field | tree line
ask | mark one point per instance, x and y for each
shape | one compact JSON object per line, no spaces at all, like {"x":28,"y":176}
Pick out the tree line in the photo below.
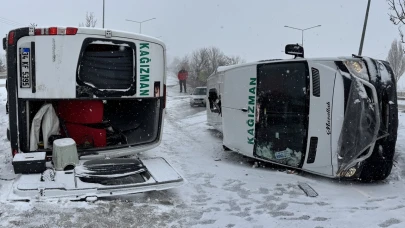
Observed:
{"x":396,"y":56}
{"x":201,"y":63}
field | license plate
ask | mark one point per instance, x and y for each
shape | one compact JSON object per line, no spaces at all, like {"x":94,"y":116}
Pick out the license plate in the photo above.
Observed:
{"x":25,"y":66}
{"x":282,"y":155}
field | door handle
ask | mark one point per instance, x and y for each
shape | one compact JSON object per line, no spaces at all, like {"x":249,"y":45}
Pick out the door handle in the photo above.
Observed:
{"x":244,"y":109}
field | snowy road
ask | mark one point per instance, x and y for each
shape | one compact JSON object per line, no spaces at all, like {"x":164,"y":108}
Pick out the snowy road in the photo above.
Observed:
{"x":223,"y":189}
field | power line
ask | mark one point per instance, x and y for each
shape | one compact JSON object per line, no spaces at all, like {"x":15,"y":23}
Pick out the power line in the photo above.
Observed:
{"x":7,"y":23}
{"x":10,"y":22}
{"x":5,"y":19}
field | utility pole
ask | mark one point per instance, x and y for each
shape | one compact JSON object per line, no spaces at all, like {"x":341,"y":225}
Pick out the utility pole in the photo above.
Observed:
{"x":103,"y":11}
{"x":302,"y":31}
{"x":140,"y":23}
{"x":364,"y":28}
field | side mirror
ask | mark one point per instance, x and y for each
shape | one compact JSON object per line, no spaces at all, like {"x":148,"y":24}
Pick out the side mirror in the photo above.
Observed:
{"x":294,"y":49}
{"x":4,"y":43}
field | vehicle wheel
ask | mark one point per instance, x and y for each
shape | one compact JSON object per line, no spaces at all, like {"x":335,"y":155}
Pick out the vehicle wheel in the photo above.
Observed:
{"x":8,"y":134}
{"x":376,"y":171}
{"x":226,"y":148}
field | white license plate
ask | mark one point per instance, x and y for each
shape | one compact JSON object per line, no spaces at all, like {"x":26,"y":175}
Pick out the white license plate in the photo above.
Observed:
{"x":25,"y":62}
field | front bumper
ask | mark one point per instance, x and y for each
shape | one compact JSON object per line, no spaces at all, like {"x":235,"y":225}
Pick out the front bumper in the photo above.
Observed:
{"x":197,"y":101}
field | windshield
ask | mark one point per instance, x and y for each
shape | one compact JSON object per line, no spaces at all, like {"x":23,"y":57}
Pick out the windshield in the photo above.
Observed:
{"x":282,"y":103}
{"x":200,"y":91}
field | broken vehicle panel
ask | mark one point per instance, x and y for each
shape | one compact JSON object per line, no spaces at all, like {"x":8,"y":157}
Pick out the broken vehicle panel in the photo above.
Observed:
{"x":108,"y":178}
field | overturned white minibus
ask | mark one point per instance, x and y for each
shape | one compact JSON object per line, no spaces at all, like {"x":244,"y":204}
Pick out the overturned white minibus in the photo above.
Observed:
{"x":80,"y":101}
{"x":335,"y":117}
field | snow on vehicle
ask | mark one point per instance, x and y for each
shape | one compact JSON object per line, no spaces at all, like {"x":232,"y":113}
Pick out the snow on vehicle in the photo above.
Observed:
{"x":335,"y":117}
{"x":198,"y":96}
{"x":104,"y":89}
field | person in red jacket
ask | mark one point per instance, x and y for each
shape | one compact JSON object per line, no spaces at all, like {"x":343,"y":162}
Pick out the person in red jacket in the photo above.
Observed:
{"x":182,"y":76}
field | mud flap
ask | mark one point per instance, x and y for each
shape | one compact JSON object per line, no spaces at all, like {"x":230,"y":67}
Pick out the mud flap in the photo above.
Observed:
{"x":158,"y":175}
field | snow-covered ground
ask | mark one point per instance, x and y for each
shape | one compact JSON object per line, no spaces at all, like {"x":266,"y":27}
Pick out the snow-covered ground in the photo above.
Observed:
{"x":223,"y":189}
{"x":171,"y":79}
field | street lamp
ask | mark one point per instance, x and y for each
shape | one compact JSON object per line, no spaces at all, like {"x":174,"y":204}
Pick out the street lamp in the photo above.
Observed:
{"x":302,"y":30}
{"x":140,"y":23}
{"x":364,"y":28}
{"x":103,"y":11}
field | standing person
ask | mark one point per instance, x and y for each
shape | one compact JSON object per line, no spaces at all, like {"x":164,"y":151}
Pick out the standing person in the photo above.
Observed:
{"x":182,"y":76}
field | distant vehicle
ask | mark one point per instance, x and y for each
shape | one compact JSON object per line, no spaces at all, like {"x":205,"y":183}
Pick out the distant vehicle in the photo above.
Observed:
{"x":198,"y":96}
{"x":104,"y":89}
{"x":335,"y":117}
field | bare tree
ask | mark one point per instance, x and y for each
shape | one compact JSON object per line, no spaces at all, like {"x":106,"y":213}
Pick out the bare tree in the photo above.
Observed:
{"x":232,"y":60}
{"x":216,"y":58}
{"x":397,"y":15}
{"x":199,"y":66}
{"x":178,"y":63}
{"x":396,"y":59}
{"x":202,"y":63}
{"x":184,"y":63}
{"x":90,"y":21}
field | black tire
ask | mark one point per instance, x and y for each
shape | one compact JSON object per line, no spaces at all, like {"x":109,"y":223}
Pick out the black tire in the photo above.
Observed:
{"x":8,"y":134}
{"x":376,"y":167}
{"x":376,"y":171}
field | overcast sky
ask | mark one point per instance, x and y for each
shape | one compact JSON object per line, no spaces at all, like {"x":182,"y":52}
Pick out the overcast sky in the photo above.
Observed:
{"x":252,"y":29}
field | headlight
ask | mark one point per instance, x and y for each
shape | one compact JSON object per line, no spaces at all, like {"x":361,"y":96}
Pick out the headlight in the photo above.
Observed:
{"x":357,"y":68}
{"x":350,"y":172}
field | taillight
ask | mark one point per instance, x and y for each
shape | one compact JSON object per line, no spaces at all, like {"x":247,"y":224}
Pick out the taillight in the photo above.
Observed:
{"x":71,"y":31}
{"x":14,"y":152}
{"x":11,"y":38}
{"x":164,"y":94}
{"x":55,"y":31}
